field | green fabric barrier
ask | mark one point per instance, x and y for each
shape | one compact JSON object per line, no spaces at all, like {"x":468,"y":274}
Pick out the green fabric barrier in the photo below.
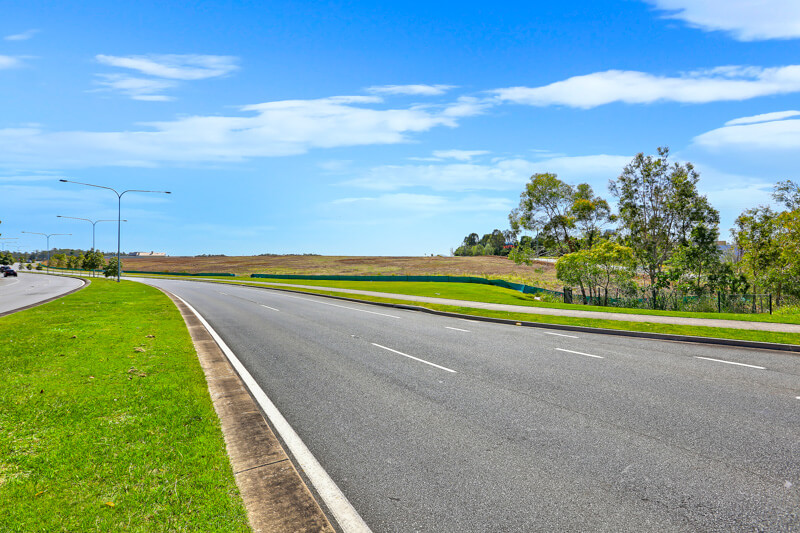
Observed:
{"x":525,"y":289}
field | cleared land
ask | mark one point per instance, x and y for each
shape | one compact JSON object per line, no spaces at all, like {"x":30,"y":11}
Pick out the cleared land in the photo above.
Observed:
{"x":540,"y":274}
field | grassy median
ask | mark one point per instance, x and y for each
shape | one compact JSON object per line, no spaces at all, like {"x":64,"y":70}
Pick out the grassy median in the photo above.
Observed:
{"x":106,"y":423}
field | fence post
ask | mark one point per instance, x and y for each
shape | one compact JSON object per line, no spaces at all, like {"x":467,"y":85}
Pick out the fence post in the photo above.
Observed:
{"x":770,"y":303}
{"x":719,"y":302}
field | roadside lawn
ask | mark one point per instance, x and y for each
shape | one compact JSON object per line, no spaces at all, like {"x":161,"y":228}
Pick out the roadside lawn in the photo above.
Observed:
{"x":106,"y":423}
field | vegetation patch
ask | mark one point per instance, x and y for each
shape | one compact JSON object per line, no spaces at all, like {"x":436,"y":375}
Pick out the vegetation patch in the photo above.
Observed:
{"x":106,"y":421}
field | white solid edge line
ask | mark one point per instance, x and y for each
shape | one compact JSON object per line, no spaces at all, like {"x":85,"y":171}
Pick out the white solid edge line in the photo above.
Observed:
{"x":560,"y":334}
{"x":343,"y":511}
{"x":581,"y":353}
{"x":268,"y":307}
{"x":457,"y":329}
{"x":416,"y":358}
{"x":729,"y":362}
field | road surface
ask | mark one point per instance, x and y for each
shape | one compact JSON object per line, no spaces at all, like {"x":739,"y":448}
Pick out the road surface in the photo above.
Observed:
{"x":432,"y":423}
{"x":28,"y":289}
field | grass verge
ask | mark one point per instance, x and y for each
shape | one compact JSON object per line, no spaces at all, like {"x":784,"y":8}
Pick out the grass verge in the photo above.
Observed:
{"x":106,"y":422}
{"x":651,"y":327}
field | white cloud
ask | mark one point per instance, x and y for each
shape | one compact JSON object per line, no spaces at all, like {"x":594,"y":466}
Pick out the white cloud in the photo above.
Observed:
{"x":24,"y":36}
{"x":269,"y":129}
{"x":730,"y":83}
{"x":747,"y":20}
{"x":136,"y":88}
{"x":775,"y":135}
{"x":500,"y":174}
{"x":174,"y":66}
{"x":414,"y":90}
{"x":460,"y":155}
{"x":765,"y":117}
{"x":9,"y":62}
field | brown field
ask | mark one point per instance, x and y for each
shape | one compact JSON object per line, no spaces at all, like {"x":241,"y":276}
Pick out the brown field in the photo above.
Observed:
{"x":540,"y":274}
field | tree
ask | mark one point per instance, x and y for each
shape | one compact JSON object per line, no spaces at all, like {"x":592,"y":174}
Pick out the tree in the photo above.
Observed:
{"x":697,"y":259}
{"x":615,"y":263}
{"x":788,"y":193}
{"x":471,"y":240}
{"x":6,"y":258}
{"x":589,"y":212}
{"x":659,"y":205}
{"x":577,"y":269}
{"x":756,"y":235}
{"x":544,"y":207}
{"x":58,"y":260}
{"x":75,"y":262}
{"x":111,"y":269}
{"x":93,"y":261}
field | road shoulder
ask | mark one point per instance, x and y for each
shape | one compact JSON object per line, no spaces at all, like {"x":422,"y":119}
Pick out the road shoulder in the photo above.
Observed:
{"x":276,"y":497}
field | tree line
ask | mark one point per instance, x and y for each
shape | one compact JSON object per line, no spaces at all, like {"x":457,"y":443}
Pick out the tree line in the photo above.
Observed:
{"x":664,"y":236}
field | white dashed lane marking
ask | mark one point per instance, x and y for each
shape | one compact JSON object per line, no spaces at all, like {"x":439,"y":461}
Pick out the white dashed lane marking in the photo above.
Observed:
{"x":416,"y":358}
{"x":580,"y":353}
{"x":730,"y":362}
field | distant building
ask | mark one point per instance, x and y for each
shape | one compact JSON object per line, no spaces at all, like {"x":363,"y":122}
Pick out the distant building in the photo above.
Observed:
{"x":149,"y":254}
{"x":723,"y":246}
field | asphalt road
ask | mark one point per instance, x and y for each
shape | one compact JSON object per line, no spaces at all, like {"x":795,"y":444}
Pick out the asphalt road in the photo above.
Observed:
{"x":28,"y":289}
{"x":431,"y":423}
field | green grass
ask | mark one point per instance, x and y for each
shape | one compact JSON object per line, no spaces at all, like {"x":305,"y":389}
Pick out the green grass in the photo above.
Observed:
{"x":673,"y":329}
{"x":105,"y":419}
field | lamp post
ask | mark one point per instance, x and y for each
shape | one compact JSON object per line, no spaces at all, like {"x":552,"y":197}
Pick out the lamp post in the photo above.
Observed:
{"x":48,"y":235}
{"x":119,"y":213}
{"x":93,"y":224}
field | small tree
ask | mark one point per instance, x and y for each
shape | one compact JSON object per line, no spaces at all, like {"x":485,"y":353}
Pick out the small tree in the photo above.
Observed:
{"x":111,"y":269}
{"x":615,"y":263}
{"x":93,"y":261}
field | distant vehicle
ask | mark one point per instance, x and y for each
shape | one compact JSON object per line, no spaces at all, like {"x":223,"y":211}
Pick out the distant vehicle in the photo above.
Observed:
{"x":3,"y":268}
{"x":9,"y":272}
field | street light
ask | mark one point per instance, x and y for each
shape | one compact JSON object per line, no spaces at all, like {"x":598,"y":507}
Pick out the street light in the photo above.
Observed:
{"x":93,"y":224}
{"x":119,"y":213}
{"x":48,"y":235}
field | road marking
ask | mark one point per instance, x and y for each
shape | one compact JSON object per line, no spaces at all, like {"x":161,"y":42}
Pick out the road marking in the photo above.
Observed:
{"x":560,"y":335}
{"x":729,"y":362}
{"x":416,"y":358}
{"x":343,"y":511}
{"x":268,"y":307}
{"x":457,"y":329}
{"x":581,"y":353}
{"x":342,"y":306}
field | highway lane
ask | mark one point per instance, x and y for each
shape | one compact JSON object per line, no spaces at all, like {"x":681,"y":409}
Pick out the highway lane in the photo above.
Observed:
{"x":520,"y":429}
{"x":28,"y":289}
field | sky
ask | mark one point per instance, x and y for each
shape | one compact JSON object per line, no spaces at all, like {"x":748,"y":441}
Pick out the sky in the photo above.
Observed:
{"x":366,"y":128}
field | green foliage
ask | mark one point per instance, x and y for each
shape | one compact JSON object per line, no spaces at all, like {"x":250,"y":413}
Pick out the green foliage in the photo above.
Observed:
{"x":93,"y":260}
{"x":29,"y":266}
{"x":544,"y":207}
{"x":111,"y":270}
{"x":6,"y":258}
{"x":39,"y":266}
{"x":605,"y":266}
{"x":693,"y":263}
{"x":659,"y":206}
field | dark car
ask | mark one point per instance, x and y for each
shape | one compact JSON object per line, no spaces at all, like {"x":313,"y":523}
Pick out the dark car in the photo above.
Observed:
{"x":3,"y":268}
{"x":9,"y":272}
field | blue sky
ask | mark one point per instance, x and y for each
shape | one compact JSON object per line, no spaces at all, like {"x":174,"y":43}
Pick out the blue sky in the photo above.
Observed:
{"x":349,"y":128}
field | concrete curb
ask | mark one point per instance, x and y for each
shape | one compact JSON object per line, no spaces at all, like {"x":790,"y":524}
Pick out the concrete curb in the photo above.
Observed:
{"x":275,"y":495}
{"x":790,"y":348}
{"x":31,"y":306}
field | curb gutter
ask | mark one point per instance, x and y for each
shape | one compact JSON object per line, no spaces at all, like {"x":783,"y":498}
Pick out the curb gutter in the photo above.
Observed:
{"x":275,"y":495}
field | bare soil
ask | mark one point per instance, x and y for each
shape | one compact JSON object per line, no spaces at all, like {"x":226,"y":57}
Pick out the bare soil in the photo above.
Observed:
{"x":540,"y":274}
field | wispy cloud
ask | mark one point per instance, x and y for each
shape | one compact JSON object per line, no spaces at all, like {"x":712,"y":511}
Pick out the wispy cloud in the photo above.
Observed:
{"x":9,"y":62}
{"x":746,"y":20}
{"x":268,"y":129}
{"x":765,"y":117}
{"x":499,"y":174}
{"x":136,"y":88}
{"x":24,"y":36}
{"x":748,"y":136}
{"x":174,"y":66}
{"x":165,"y":71}
{"x":729,"y":83}
{"x":415,"y":90}
{"x":460,"y":155}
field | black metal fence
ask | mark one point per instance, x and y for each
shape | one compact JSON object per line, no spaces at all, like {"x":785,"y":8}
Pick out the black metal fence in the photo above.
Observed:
{"x":718,"y":302}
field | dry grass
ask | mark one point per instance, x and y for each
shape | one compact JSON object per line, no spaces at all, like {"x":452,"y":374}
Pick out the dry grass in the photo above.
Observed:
{"x":541,"y":274}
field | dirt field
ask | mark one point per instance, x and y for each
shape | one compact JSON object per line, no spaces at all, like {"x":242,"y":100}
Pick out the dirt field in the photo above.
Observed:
{"x":541,"y":274}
